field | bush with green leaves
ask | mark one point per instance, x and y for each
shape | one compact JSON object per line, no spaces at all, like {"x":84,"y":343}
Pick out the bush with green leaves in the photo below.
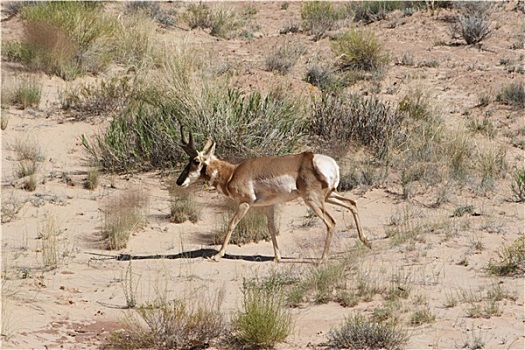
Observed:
{"x":109,"y":97}
{"x":359,"y":332}
{"x":472,"y":23}
{"x":146,"y":136}
{"x":59,"y":38}
{"x":511,"y":259}
{"x":512,"y":94}
{"x":284,"y":57}
{"x":359,"y":49}
{"x":222,"y":22}
{"x":366,"y":120}
{"x":264,"y":319}
{"x":371,"y":11}
{"x":153,"y":9}
{"x":173,"y":324}
{"x":71,"y":38}
{"x":25,"y":93}
{"x":318,"y":17}
{"x":518,"y":186}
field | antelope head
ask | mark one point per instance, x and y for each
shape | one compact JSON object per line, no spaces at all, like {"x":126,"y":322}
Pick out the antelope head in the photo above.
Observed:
{"x":198,"y":160}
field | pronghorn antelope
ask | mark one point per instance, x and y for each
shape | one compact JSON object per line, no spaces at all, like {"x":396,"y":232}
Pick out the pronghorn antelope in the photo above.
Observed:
{"x":268,"y":181}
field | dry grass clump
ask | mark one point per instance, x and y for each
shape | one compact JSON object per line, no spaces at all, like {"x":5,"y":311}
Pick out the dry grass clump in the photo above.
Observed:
{"x":518,"y":186}
{"x":146,"y":133}
{"x":49,"y":235}
{"x":23,"y":93}
{"x":109,"y":97}
{"x":123,"y":214}
{"x":222,"y":22}
{"x":366,"y":120}
{"x":91,"y":181}
{"x":263,"y":320}
{"x":170,"y":324}
{"x":10,"y":207}
{"x":360,"y":50}
{"x":253,"y":227}
{"x":359,"y":332}
{"x":283,"y":58}
{"x":183,"y":205}
{"x":512,"y":94}
{"x":511,"y":259}
{"x":318,"y":17}
{"x":472,"y":23}
{"x":318,"y":285}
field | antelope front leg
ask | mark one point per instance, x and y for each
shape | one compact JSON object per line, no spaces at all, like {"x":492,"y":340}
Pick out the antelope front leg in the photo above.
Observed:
{"x":241,"y":211}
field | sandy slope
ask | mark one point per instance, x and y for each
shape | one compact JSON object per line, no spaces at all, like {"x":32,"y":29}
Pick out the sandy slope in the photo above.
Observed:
{"x":76,"y":305}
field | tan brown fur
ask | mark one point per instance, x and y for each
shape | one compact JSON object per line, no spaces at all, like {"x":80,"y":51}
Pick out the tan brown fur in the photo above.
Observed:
{"x":268,"y":181}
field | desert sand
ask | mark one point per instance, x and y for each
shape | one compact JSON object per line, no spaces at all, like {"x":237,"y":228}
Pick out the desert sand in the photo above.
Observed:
{"x":77,"y":305}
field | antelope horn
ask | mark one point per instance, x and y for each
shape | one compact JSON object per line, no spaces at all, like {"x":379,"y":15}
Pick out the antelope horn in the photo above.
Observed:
{"x":188,"y":146}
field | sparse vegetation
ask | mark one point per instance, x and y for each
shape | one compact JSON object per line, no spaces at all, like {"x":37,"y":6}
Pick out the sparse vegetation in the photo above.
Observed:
{"x":358,"y":332}
{"x":472,"y":23}
{"x":252,"y":228}
{"x":222,"y":22}
{"x":284,"y":57}
{"x":263,"y":320}
{"x":123,"y":214}
{"x":359,"y":49}
{"x":513,"y":94}
{"x":170,"y":324}
{"x":511,"y":259}
{"x":368,"y":121}
{"x":518,"y":186}
{"x":183,"y":205}
{"x":91,"y":181}
{"x":318,"y":17}
{"x":372,"y":11}
{"x":25,"y":93}
{"x":109,"y":97}
{"x":11,"y":206}
{"x":49,"y":235}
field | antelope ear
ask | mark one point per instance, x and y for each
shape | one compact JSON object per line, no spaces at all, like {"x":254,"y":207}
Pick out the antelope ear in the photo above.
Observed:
{"x":209,"y":148}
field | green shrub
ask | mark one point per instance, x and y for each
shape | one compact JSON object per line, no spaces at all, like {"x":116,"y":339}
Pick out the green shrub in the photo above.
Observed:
{"x":173,"y":324}
{"x":222,"y":22}
{"x":359,"y":49}
{"x":318,"y":17}
{"x":284,"y":57}
{"x":91,"y":181}
{"x":60,"y":37}
{"x":518,"y":186}
{"x":263,"y":320}
{"x":357,"y":332}
{"x":513,"y":94}
{"x":25,"y":93}
{"x":110,"y":97}
{"x":372,"y":11}
{"x":511,"y":259}
{"x":153,"y":9}
{"x":366,"y":120}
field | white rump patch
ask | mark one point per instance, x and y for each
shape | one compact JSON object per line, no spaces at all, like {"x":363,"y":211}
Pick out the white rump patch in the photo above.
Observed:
{"x":328,"y":167}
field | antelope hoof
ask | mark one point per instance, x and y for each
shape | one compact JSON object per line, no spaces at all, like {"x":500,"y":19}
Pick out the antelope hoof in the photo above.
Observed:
{"x":217,"y":257}
{"x":367,"y":244}
{"x":277,"y":259}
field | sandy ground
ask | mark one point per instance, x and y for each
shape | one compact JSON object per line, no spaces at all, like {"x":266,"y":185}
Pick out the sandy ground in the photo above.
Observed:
{"x":76,"y":305}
